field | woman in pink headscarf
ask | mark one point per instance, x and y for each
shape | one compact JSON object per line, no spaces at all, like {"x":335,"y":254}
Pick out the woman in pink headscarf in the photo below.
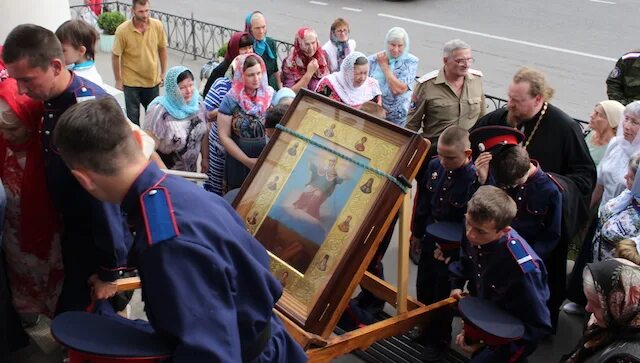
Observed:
{"x":307,"y":62}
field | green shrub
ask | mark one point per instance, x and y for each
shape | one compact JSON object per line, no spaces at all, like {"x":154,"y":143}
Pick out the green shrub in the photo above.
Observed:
{"x":109,"y":21}
{"x":222,"y":51}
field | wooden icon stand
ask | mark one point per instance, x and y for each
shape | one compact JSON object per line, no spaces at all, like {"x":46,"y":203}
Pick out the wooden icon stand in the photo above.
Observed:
{"x":409,"y":311}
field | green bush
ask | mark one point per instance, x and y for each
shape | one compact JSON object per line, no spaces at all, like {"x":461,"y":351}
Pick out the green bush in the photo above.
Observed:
{"x":109,"y":21}
{"x":222,"y":51}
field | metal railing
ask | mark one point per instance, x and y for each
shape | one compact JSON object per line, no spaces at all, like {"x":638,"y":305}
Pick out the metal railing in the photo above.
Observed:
{"x":203,"y":40}
{"x":187,"y":35}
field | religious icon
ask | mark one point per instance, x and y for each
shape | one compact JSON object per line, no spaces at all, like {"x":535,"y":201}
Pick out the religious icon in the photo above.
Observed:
{"x":273,"y":184}
{"x":283,"y":278}
{"x":322,"y":266}
{"x":330,"y":132}
{"x":360,"y":144}
{"x":293,"y":150}
{"x":366,"y":187}
{"x":253,"y":219}
{"x":344,"y":226}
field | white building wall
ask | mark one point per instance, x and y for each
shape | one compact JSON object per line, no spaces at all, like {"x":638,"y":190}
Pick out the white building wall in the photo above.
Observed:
{"x":47,"y":13}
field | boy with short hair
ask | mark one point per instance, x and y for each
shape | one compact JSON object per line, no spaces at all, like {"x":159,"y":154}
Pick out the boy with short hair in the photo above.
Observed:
{"x":449,"y":182}
{"x":536,"y":195}
{"x":273,"y":117}
{"x":499,"y":265}
{"x":206,"y":281}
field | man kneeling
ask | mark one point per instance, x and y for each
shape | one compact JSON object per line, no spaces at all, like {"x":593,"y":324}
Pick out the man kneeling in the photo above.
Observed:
{"x":206,"y":281}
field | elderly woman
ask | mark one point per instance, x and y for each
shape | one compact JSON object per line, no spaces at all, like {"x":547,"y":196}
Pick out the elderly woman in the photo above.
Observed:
{"x":31,"y":232}
{"x":352,"y":85}
{"x":306,"y":64}
{"x":602,"y":127}
{"x":613,"y":166}
{"x":241,"y":118}
{"x":177,"y":121}
{"x":395,"y":70}
{"x":620,"y":217}
{"x":612,"y":288}
{"x":339,"y":44}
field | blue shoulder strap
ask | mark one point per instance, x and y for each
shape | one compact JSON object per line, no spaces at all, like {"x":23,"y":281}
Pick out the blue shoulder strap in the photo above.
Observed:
{"x":522,"y":257}
{"x":84,"y":93}
{"x":157,"y":212}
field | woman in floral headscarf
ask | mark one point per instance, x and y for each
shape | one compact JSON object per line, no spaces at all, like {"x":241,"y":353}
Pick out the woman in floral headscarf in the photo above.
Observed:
{"x":307,"y":62}
{"x":612,"y":288}
{"x":339,"y":45}
{"x":241,"y":118}
{"x":30,"y":239}
{"x":352,"y":85}
{"x":177,"y":121}
{"x":395,"y":70}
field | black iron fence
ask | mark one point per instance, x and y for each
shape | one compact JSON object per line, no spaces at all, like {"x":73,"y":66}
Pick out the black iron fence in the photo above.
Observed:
{"x":203,"y":40}
{"x":187,"y":35}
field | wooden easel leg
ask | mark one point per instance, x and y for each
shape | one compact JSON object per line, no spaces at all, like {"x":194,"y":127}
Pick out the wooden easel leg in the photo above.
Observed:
{"x":403,"y":254}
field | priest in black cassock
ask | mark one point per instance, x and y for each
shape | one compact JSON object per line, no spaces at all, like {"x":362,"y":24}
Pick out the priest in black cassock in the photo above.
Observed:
{"x":555,"y":140}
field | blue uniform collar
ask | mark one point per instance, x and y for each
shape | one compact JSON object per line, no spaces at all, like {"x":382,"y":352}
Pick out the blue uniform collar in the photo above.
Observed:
{"x":67,"y":97}
{"x":149,"y":177}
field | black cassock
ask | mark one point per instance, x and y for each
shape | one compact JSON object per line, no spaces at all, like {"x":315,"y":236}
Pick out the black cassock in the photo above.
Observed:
{"x":558,"y":145}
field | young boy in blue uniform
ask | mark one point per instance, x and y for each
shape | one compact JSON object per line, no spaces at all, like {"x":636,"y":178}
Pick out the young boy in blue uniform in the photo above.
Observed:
{"x":449,"y":182}
{"x":206,"y":282}
{"x":536,"y":194}
{"x":500,"y":266}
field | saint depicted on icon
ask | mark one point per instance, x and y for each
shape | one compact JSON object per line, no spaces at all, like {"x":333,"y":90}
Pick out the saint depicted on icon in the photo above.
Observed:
{"x":331,"y":131}
{"x":322,"y":266}
{"x":320,"y":187}
{"x":344,"y":226}
{"x":293,"y":150}
{"x":360,"y":144}
{"x":273,"y":184}
{"x":366,"y":187}
{"x":253,"y":219}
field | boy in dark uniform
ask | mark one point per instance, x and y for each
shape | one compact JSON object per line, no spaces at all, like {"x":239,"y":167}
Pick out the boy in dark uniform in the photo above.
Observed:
{"x":499,"y":265}
{"x":206,"y":282}
{"x":449,"y":182}
{"x":537,"y":196}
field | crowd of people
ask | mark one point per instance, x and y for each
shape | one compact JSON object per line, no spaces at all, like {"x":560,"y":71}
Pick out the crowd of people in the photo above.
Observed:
{"x":499,"y":198}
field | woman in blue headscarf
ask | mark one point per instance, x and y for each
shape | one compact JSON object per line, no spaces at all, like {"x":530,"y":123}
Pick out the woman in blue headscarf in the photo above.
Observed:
{"x":395,"y":70}
{"x":177,"y":121}
{"x":264,"y":46}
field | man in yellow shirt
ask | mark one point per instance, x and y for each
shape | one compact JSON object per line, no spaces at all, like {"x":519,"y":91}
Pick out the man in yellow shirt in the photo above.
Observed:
{"x":140,"y":44}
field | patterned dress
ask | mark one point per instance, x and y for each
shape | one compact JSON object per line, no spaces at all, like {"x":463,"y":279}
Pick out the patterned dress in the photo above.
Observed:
{"x":614,"y":227}
{"x":35,"y":283}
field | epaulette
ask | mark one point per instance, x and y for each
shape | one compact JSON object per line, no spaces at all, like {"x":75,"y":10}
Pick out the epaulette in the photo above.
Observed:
{"x":556,"y":182}
{"x":428,"y":76}
{"x":522,"y":257}
{"x":84,"y":93}
{"x":631,"y":55}
{"x":476,"y":72}
{"x":157,"y":213}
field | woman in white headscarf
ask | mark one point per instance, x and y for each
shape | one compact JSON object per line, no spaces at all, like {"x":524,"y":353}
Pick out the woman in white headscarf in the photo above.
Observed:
{"x":613,"y":166}
{"x":603,"y":124}
{"x":395,"y":70}
{"x":352,"y":85}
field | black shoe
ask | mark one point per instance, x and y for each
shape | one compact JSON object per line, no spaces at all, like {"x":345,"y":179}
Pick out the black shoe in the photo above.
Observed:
{"x":434,"y":353}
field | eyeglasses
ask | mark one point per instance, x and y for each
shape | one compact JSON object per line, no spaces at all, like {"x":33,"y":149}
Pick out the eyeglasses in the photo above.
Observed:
{"x":342,"y":30}
{"x":462,"y":61}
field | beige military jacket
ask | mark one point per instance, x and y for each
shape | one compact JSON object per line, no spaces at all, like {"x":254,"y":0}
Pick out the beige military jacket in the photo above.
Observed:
{"x":435,"y":105}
